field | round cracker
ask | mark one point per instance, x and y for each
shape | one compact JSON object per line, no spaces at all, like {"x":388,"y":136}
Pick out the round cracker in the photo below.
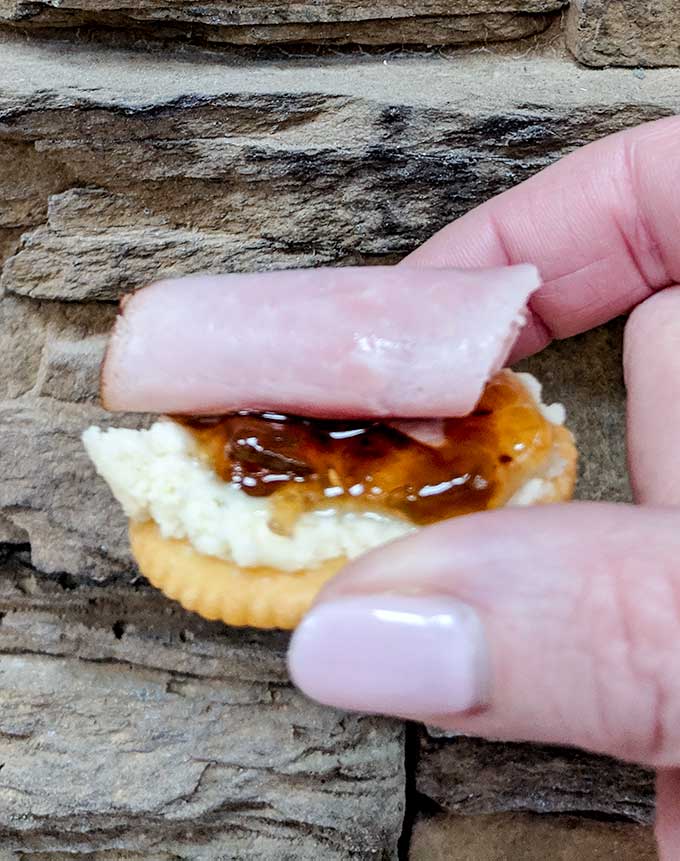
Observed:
{"x":217,"y":589}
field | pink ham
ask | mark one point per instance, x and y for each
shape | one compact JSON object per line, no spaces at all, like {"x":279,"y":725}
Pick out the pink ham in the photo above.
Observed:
{"x":428,"y":432}
{"x":363,"y":342}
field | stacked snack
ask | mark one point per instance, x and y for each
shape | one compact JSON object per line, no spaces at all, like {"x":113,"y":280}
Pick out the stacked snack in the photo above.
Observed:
{"x":390,"y":412}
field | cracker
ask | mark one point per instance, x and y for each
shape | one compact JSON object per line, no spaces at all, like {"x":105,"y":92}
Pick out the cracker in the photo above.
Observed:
{"x":216,"y":589}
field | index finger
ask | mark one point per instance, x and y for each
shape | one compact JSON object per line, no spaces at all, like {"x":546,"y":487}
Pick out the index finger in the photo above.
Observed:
{"x":601,"y":225}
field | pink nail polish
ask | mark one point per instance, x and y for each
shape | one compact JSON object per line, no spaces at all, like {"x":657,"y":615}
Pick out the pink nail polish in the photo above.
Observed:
{"x":392,"y":654}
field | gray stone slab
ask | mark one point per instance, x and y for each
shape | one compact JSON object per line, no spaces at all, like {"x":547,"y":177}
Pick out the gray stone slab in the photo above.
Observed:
{"x":129,"y":726}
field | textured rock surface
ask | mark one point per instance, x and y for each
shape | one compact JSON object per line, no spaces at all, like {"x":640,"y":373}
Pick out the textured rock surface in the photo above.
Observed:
{"x":529,"y":838}
{"x":127,"y":728}
{"x":172,"y":738}
{"x":149,"y":170}
{"x":466,"y":775}
{"x":625,"y":32}
{"x":433,"y":22}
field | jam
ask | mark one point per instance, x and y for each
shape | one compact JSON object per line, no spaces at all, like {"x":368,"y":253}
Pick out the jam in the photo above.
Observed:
{"x":476,"y":462}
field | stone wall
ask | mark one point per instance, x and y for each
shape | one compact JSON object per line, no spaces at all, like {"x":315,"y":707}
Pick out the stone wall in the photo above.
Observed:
{"x":159,"y":137}
{"x":625,"y":32}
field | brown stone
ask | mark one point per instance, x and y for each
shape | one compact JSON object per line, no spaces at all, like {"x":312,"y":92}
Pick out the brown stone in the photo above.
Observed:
{"x":625,"y":32}
{"x":363,"y":160}
{"x":27,"y":178}
{"x":529,"y":838}
{"x":22,"y":337}
{"x":9,"y":242}
{"x":387,"y":22}
{"x":471,"y":776}
{"x":10,"y":533}
{"x":70,"y":370}
{"x":25,"y":329}
{"x":51,"y":491}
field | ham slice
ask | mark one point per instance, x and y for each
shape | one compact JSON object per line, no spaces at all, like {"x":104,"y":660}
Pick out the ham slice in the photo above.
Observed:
{"x":356,"y":342}
{"x":430,"y":432}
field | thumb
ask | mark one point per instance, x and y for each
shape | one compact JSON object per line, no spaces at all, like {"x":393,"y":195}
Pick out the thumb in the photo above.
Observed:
{"x":557,"y":624}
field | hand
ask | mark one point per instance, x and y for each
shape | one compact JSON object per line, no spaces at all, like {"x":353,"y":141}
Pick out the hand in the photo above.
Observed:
{"x":558,"y":624}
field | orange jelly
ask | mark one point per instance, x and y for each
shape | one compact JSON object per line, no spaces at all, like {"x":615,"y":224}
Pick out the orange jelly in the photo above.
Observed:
{"x":477,"y":462}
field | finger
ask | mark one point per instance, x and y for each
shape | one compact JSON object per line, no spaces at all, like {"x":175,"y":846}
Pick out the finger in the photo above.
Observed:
{"x":558,"y":625}
{"x":601,"y":225}
{"x":652,"y":369}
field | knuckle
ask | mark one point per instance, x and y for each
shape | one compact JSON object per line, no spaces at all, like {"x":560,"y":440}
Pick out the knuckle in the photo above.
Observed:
{"x":658,"y":312}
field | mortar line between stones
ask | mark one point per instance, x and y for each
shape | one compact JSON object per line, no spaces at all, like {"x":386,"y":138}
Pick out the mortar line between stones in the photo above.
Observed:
{"x":410,"y":791}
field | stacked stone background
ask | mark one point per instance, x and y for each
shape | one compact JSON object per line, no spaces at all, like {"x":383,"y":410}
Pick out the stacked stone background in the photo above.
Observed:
{"x":143,"y":138}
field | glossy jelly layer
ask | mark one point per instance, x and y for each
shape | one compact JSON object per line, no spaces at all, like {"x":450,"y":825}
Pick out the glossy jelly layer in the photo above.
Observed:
{"x":468,"y":464}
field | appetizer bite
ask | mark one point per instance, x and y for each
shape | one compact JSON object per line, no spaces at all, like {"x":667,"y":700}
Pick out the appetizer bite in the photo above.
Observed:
{"x":312,"y":416}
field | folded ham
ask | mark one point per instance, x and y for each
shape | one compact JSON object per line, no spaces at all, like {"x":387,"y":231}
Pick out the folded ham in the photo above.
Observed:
{"x":328,"y":343}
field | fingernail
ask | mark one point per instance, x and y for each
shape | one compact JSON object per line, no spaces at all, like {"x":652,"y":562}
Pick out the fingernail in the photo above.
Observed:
{"x":392,"y":654}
